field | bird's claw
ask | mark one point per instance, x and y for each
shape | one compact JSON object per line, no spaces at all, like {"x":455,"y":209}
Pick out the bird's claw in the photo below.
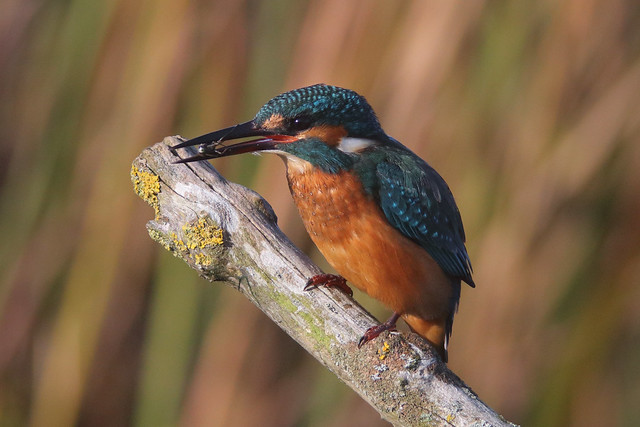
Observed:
{"x":329,"y":280}
{"x":374,"y":331}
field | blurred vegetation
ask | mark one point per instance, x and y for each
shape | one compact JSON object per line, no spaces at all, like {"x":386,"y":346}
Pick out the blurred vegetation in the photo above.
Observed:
{"x":531,"y":111}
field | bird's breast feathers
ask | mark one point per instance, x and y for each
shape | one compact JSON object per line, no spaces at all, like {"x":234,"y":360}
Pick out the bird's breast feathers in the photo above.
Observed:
{"x":351,"y":231}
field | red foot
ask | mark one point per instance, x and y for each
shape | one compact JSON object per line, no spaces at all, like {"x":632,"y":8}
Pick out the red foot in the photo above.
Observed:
{"x":371,"y":333}
{"x":330,"y":280}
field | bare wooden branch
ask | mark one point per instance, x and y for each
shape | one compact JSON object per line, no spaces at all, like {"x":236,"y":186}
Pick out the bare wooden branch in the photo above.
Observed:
{"x":228,"y":233}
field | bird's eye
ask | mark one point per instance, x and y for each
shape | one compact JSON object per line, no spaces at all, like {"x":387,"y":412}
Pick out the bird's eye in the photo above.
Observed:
{"x":299,"y":123}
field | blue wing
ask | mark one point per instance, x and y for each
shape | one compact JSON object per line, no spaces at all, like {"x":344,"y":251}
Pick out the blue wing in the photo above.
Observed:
{"x":417,"y":202}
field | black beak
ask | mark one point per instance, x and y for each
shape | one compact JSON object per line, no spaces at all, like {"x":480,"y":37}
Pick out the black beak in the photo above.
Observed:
{"x":211,"y":144}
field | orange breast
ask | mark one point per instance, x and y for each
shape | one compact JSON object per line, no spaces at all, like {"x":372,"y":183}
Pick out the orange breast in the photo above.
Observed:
{"x":353,"y":235}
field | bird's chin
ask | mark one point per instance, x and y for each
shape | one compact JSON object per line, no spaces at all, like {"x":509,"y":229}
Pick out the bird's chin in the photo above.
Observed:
{"x":294,"y":164}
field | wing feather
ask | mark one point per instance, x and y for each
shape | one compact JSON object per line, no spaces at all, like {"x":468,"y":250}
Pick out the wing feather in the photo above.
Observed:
{"x":418,"y":203}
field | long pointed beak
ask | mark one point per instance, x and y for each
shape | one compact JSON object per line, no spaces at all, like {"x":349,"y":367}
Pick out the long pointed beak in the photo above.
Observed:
{"x":211,"y":145}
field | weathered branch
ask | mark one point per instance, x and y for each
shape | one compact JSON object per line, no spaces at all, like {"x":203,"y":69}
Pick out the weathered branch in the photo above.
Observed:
{"x":229,"y":233}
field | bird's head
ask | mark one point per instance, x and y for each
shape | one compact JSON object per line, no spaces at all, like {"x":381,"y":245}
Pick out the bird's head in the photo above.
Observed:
{"x":321,"y":124}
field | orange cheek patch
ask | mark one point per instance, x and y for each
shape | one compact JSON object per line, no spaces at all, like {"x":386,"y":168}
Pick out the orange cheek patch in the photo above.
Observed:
{"x":331,"y":135}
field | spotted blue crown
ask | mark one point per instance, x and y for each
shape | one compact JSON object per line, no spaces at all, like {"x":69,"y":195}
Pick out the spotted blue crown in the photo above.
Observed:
{"x":323,"y":104}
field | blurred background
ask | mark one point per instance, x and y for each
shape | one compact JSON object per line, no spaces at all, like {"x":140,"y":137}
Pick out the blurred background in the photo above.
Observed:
{"x":530,"y":110}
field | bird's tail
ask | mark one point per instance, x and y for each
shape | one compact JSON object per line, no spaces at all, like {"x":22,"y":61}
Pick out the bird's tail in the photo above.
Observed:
{"x":434,"y":331}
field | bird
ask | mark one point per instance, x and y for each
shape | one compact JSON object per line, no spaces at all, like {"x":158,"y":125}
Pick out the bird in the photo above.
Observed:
{"x":381,"y":216}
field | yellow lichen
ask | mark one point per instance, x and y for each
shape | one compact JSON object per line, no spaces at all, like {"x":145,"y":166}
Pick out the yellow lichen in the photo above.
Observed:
{"x":202,"y":259}
{"x":382,"y":353}
{"x":199,"y":240}
{"x":178,"y":243}
{"x":147,"y":186}
{"x":201,"y":234}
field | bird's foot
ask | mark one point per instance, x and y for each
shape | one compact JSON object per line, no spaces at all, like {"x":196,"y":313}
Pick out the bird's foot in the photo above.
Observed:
{"x":330,"y":280}
{"x":374,"y":331}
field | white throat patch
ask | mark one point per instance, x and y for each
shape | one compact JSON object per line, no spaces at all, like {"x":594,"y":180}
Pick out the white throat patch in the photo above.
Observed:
{"x":293,"y":163}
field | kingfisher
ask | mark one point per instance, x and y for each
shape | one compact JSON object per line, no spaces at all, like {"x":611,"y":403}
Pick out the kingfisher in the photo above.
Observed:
{"x":383,"y":218}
